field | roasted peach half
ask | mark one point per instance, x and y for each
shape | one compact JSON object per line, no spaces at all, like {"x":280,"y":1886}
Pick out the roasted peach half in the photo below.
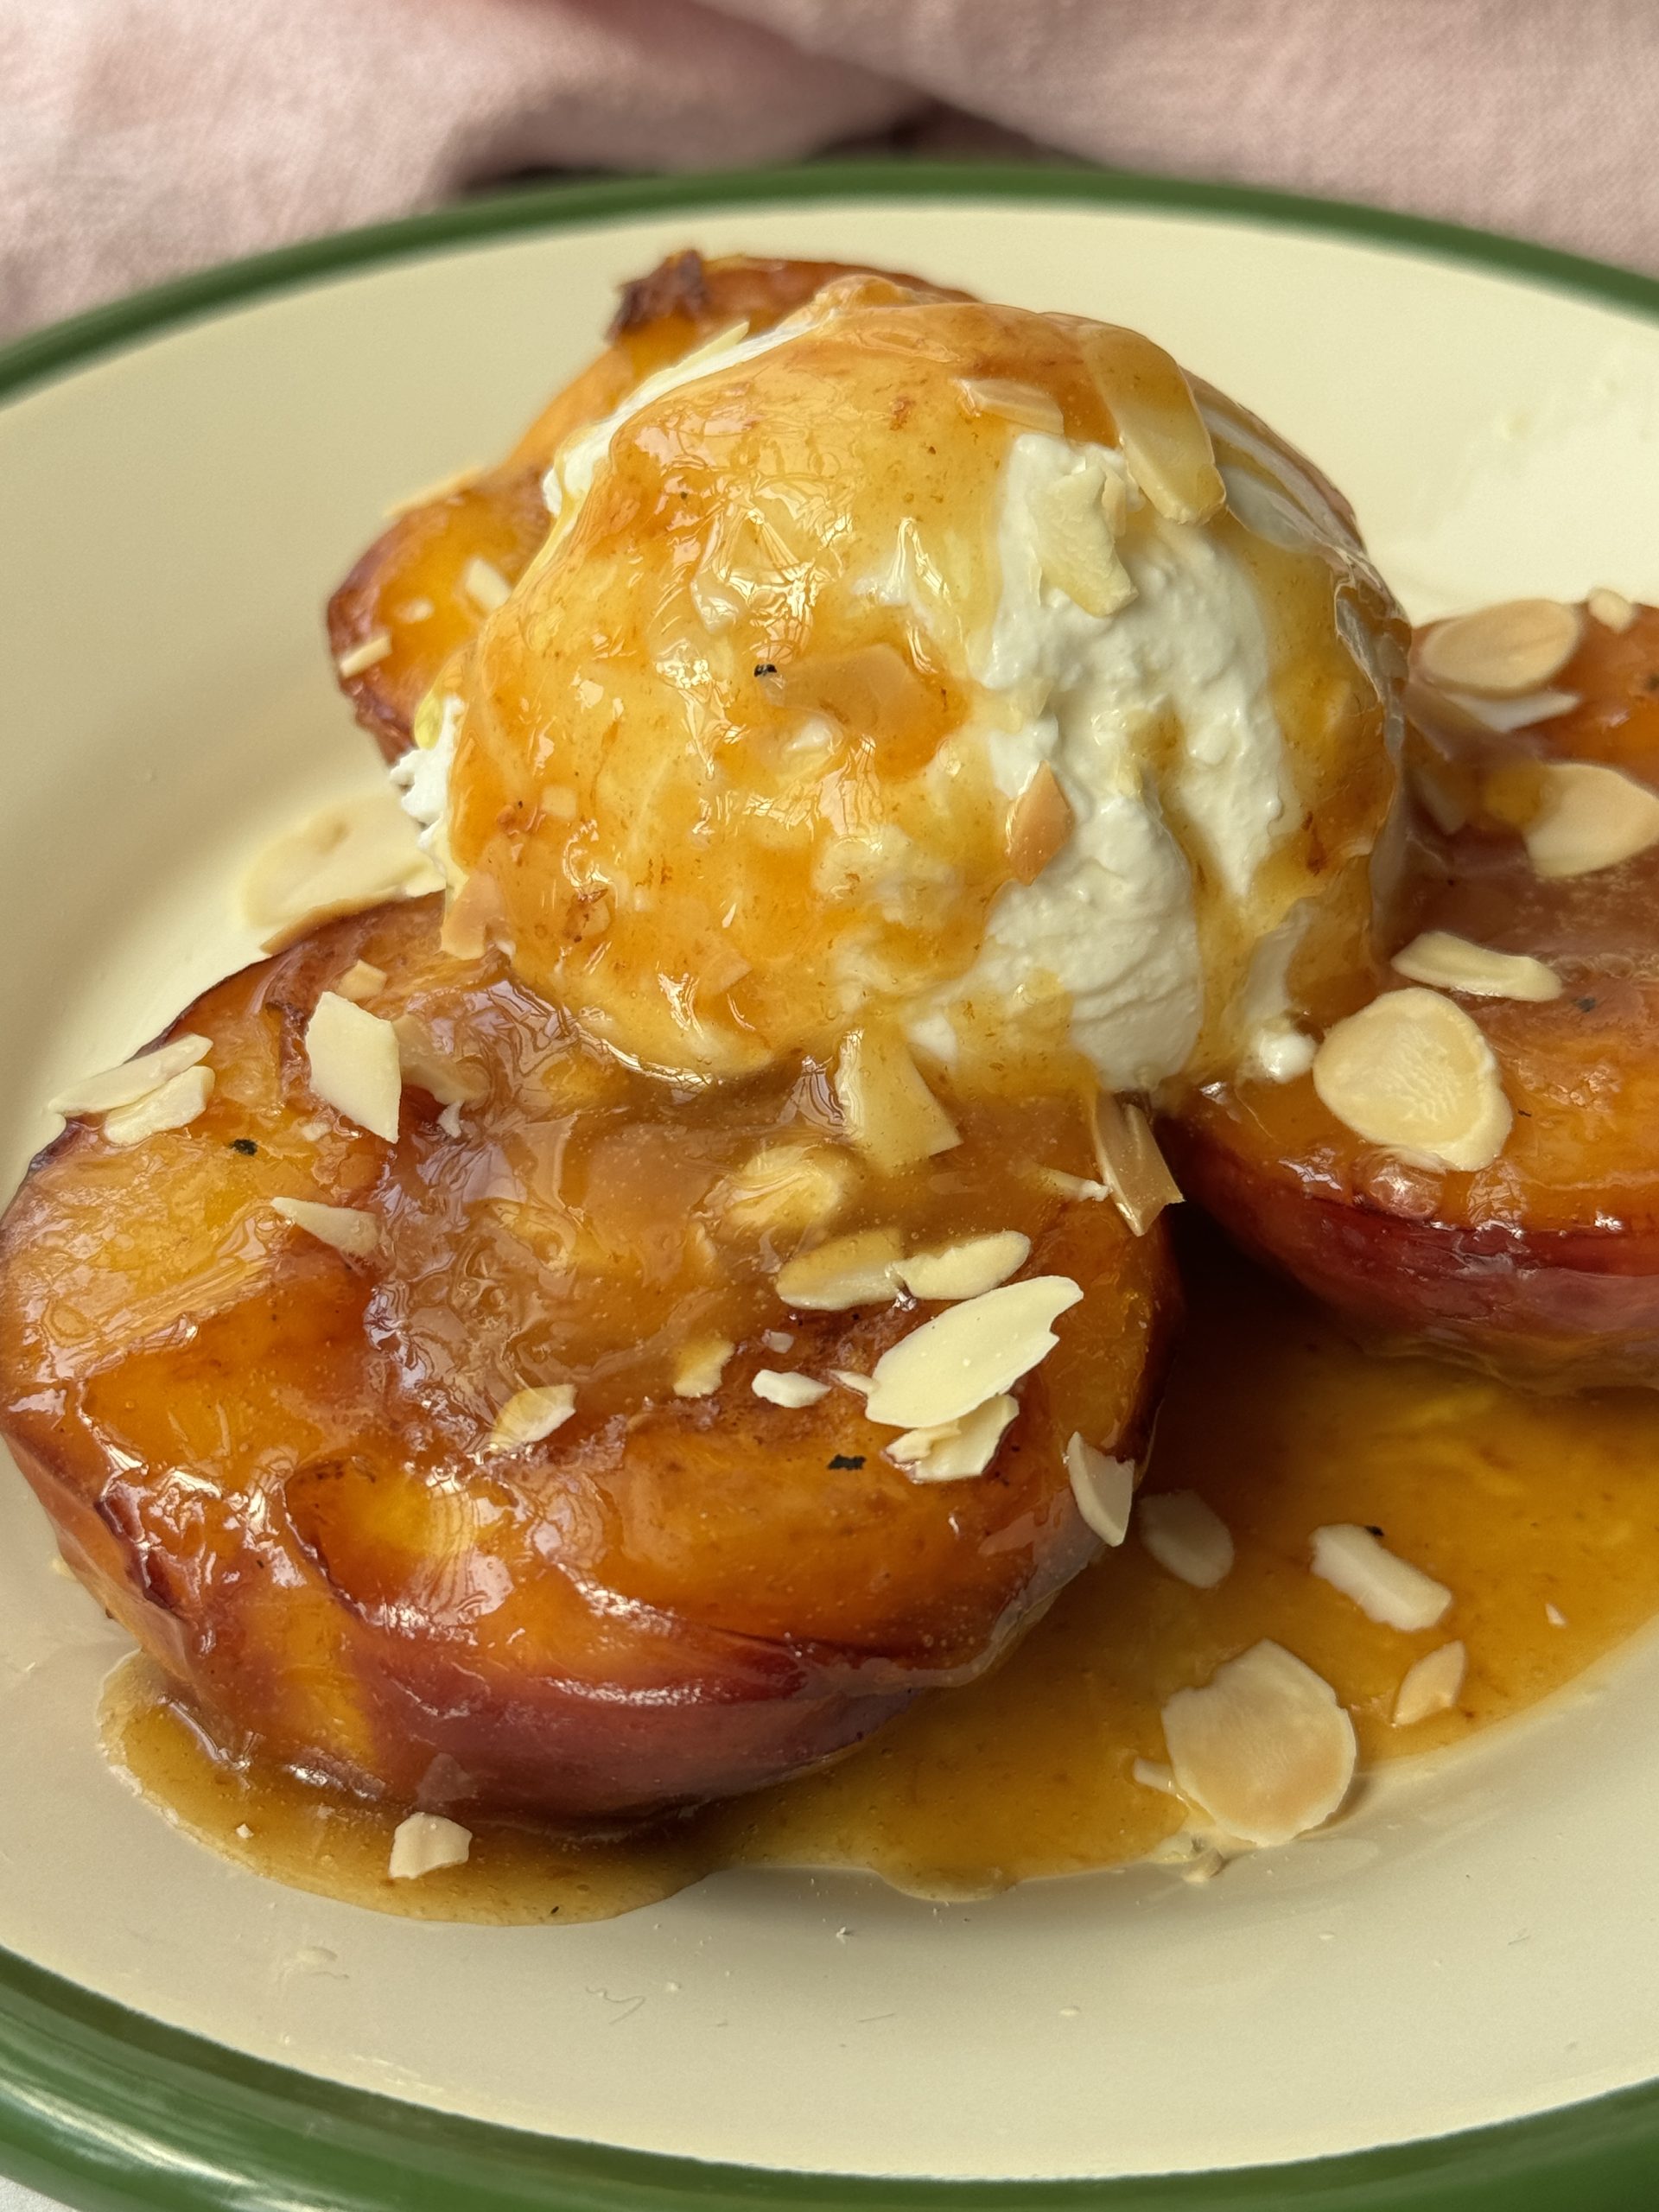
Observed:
{"x":486,"y":1461}
{"x":1529,"y":908}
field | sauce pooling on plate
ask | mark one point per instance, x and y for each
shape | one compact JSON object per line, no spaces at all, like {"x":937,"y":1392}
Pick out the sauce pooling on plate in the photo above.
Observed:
{"x":1536,"y":1512}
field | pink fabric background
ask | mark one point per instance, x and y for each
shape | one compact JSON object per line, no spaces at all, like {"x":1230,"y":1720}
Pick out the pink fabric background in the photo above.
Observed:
{"x":141,"y":137}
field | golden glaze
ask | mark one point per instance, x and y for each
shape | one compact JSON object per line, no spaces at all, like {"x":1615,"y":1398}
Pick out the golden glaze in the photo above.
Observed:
{"x":1516,"y":1504}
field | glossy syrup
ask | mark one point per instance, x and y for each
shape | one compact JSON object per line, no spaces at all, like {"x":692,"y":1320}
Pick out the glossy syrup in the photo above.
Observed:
{"x":1541,"y":1514}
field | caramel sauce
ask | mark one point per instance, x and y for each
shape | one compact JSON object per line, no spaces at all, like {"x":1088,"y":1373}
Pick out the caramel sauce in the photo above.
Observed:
{"x":1517,"y":1502}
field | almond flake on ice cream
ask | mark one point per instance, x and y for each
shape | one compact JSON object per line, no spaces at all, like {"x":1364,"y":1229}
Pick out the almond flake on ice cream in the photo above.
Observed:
{"x":1262,"y":1747}
{"x":969,"y":1353}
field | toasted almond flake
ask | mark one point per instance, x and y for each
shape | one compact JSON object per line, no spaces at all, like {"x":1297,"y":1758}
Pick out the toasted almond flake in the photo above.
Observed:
{"x":1412,"y":1072}
{"x":700,"y":1365}
{"x":1555,"y":1615}
{"x":1040,"y":821}
{"x":779,"y":1340}
{"x":1439,"y":795}
{"x":172,"y":1105}
{"x":348,"y":1230}
{"x":1163,"y":438}
{"x":424,"y":1063}
{"x":1453,"y":963}
{"x":1131,"y":1165}
{"x":1611,"y":608}
{"x":133,"y":1080}
{"x":1503,"y":650}
{"x":1073,"y":1187}
{"x":850,"y":1379}
{"x":1076,"y":550}
{"x":1153,"y":1774}
{"x":1104,"y":1488}
{"x":361,"y":981}
{"x":861,"y":1269}
{"x":1025,"y":404}
{"x":955,"y":1450}
{"x":1472,"y":715}
{"x":531,"y":1415}
{"x":1385,"y":1587}
{"x":886,"y":1109}
{"x":354,"y":1065}
{"x":1187,"y":1537}
{"x":1591,"y":818}
{"x":1262,"y":1747}
{"x":788,"y":1187}
{"x":967,"y":1268}
{"x":374,"y":648}
{"x":969,"y":1353}
{"x":425,"y":1844}
{"x":1432,"y":1686}
{"x":778,"y":1388}
{"x":345,"y":858}
{"x":485,"y":585}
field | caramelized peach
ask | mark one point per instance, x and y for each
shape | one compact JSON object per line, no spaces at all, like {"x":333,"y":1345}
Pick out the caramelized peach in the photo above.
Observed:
{"x":1545,"y":1262}
{"x":416,"y":586}
{"x":282,"y":1466}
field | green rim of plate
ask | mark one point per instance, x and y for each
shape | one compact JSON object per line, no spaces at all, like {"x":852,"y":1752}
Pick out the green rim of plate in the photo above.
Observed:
{"x":110,"y":2111}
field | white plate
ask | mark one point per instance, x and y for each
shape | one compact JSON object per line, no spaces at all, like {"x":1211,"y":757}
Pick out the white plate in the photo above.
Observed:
{"x":1476,"y":1943}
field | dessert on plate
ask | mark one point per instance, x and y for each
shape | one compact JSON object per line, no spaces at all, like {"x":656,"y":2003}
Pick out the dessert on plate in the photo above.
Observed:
{"x":609,"y":1335}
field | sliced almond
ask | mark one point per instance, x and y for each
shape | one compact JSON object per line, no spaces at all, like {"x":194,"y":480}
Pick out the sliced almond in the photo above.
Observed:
{"x":1187,"y":1538}
{"x":1024,"y":404}
{"x":529,"y":1415}
{"x":886,"y":1106}
{"x":1555,"y":1615}
{"x":1162,"y":436}
{"x":967,"y":1268}
{"x":469,"y":915}
{"x":778,"y":1340}
{"x":700,"y":1365}
{"x":354,"y":1063}
{"x":1412,"y":1072}
{"x":955,"y":1450}
{"x":1078,"y":1187}
{"x":345,"y":858}
{"x":134,"y":1079}
{"x":1131,"y":1165}
{"x":1039,"y":822}
{"x":485,"y":585}
{"x":1153,"y":1774}
{"x":1453,"y":963}
{"x":1611,"y":608}
{"x":374,"y":649}
{"x":422,"y":1062}
{"x":781,"y":1389}
{"x":1469,"y":715}
{"x":1432,"y":1686}
{"x":849,"y":1379}
{"x":1264,"y":1747}
{"x":1385,"y":1587}
{"x":348,"y":1230}
{"x":1103,"y":1488}
{"x":1500,"y":651}
{"x":361,"y":981}
{"x":861,"y":1269}
{"x":1591,"y":818}
{"x":172,"y":1105}
{"x":1076,"y":550}
{"x":786,"y":1188}
{"x":969,"y":1353}
{"x":425,"y":1843}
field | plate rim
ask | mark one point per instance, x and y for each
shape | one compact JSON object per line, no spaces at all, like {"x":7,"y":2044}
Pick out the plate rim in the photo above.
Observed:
{"x":111,"y":2110}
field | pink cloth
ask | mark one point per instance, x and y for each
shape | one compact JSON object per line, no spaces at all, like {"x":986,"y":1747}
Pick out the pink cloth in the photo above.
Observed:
{"x":141,"y":137}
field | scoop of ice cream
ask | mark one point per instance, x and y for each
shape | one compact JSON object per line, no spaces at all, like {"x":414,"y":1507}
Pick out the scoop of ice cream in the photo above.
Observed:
{"x":925,"y":665}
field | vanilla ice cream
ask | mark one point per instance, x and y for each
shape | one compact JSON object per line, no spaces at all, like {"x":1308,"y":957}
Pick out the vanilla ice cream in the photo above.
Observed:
{"x":933,"y":665}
